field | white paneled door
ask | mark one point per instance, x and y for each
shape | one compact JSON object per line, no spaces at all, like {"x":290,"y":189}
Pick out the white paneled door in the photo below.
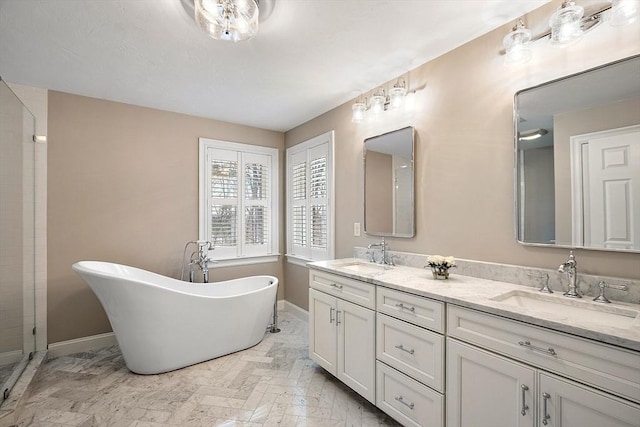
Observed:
{"x":608,"y":208}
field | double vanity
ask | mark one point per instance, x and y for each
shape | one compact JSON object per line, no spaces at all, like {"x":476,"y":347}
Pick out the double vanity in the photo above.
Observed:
{"x":471,"y":352}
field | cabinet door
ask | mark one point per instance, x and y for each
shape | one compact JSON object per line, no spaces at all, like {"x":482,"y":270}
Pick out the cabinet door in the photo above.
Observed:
{"x":563,"y":403}
{"x":487,"y":390}
{"x":356,"y":348}
{"x":322,"y":330}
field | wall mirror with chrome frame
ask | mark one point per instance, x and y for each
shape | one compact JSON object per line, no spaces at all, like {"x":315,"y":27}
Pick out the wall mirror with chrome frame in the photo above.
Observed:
{"x":389,"y":184}
{"x":577,"y":171}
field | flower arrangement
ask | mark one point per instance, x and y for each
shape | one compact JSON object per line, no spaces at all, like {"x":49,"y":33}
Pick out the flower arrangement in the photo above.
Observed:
{"x":440,"y":265}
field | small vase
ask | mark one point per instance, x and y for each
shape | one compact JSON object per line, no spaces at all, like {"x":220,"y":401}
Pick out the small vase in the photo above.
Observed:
{"x":440,"y":273}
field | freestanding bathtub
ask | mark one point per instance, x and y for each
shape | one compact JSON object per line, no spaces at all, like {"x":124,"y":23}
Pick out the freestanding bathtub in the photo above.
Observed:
{"x":162,"y":324}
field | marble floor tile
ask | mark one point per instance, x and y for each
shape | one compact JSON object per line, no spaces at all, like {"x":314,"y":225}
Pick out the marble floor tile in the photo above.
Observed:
{"x":271,"y":384}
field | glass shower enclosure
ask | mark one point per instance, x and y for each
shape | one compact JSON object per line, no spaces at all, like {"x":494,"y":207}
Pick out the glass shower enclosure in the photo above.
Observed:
{"x":17,"y":238}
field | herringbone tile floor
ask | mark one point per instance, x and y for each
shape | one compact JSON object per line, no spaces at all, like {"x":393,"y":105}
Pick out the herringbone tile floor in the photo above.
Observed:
{"x":271,"y":384}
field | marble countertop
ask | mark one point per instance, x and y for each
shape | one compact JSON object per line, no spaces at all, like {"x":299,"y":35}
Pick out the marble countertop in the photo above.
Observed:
{"x":479,"y":294}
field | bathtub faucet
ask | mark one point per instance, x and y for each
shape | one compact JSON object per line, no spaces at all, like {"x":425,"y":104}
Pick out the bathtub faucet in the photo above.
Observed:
{"x":199,"y":258}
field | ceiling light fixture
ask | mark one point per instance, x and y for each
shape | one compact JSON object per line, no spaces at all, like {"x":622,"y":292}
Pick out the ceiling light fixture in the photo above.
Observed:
{"x":532,"y":134}
{"x":232,"y":20}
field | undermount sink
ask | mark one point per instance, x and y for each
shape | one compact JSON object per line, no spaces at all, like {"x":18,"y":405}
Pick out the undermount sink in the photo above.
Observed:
{"x":364,"y":267}
{"x":574,"y":309}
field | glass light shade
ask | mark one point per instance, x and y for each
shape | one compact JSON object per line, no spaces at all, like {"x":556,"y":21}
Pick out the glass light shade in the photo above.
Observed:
{"x":396,"y":95}
{"x":232,"y":20}
{"x":516,"y":45}
{"x":566,"y":23}
{"x":358,"y":111}
{"x":624,"y":12}
{"x":377,"y":103}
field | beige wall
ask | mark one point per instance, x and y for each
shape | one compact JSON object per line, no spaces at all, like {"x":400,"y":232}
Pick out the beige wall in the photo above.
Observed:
{"x":463,"y":118}
{"x":123,"y":187}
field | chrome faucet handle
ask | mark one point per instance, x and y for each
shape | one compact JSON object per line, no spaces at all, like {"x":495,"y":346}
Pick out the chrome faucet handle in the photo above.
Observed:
{"x":603,"y":285}
{"x":542,"y":277}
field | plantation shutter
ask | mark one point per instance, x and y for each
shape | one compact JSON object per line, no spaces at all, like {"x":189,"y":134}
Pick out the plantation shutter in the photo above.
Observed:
{"x":318,"y":202}
{"x":223,"y":201}
{"x":239,"y":202}
{"x":309,"y":189}
{"x":256,"y":204}
{"x":298,"y":204}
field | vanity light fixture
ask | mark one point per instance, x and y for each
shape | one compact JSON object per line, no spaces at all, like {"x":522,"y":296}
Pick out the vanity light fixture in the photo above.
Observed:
{"x":377,"y":101}
{"x":380,"y":101}
{"x":231,"y":20}
{"x":358,"y":111}
{"x":624,"y":12}
{"x":397,"y":94}
{"x":516,"y":44}
{"x":567,"y":25}
{"x":532,"y":134}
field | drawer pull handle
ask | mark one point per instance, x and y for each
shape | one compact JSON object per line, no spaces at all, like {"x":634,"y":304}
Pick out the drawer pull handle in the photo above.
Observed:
{"x":528,"y":344}
{"x":545,"y":414}
{"x":331,"y":314}
{"x":334,"y":285}
{"x":402,"y":306}
{"x":401,"y":347}
{"x":408,"y":405}
{"x":524,"y":403}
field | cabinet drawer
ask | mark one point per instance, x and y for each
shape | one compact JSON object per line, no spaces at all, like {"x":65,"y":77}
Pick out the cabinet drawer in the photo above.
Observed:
{"x":357,"y":292}
{"x":601,"y":365}
{"x":414,"y":309}
{"x":414,"y":351}
{"x":406,"y":400}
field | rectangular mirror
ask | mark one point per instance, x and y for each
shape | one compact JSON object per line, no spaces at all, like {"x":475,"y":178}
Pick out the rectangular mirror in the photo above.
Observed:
{"x":577,"y":143}
{"x":389,"y":184}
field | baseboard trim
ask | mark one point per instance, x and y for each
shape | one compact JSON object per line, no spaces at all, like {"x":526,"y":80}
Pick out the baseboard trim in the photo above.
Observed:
{"x":78,"y":345}
{"x":10,"y":357}
{"x":300,"y":313}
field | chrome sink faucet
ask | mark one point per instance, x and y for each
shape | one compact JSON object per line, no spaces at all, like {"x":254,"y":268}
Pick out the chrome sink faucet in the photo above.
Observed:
{"x":386,"y":259}
{"x":570,"y":267}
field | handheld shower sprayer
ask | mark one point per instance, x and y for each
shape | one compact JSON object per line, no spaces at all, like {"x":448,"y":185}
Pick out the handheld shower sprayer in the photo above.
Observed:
{"x":198,"y":257}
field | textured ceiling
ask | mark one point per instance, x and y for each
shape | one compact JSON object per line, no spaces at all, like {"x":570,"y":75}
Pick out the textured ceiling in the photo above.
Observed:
{"x":308,"y":57}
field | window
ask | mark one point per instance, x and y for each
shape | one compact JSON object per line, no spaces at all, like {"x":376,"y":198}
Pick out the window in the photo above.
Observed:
{"x":310,"y":200}
{"x":239,"y":201}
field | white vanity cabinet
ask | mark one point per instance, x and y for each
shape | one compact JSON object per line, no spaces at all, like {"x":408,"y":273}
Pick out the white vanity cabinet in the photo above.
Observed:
{"x":410,"y":354}
{"x":342,"y":330}
{"x":556,"y":380}
{"x":487,"y":390}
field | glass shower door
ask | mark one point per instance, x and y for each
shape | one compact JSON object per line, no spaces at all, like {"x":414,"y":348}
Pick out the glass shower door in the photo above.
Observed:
{"x":17,"y":238}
